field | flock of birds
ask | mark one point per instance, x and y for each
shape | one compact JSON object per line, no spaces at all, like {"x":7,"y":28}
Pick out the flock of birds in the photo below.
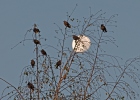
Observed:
{"x":43,"y":52}
{"x":103,"y":28}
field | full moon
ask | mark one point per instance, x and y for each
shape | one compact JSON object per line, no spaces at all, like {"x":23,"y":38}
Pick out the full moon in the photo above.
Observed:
{"x":82,"y":44}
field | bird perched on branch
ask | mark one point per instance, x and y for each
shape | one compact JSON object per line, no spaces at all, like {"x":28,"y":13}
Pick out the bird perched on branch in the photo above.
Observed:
{"x":36,"y":30}
{"x":58,"y":63}
{"x":43,"y":52}
{"x":36,"y":41}
{"x":103,"y":28}
{"x":67,"y":24}
{"x":32,"y":63}
{"x":30,"y":86}
{"x":75,"y":37}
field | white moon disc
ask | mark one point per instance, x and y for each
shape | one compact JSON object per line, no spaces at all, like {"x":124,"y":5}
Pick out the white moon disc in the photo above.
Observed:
{"x":82,"y":44}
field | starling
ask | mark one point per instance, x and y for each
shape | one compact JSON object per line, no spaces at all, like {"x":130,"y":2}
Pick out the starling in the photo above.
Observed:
{"x":36,"y":41}
{"x":103,"y":28}
{"x":58,"y":63}
{"x":67,"y":24}
{"x":31,"y":86}
{"x":36,"y":30}
{"x":32,"y":63}
{"x":75,"y":37}
{"x":43,"y":52}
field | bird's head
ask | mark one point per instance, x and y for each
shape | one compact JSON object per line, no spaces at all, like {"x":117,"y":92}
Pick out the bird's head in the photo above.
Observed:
{"x":102,"y":24}
{"x":29,"y":83}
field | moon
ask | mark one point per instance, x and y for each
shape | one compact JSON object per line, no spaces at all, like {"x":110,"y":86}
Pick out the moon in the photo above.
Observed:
{"x":81,"y":45}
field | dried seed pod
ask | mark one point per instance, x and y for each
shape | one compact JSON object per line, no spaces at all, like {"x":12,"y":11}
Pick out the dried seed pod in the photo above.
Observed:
{"x":67,"y":24}
{"x":36,"y":41}
{"x":31,"y":86}
{"x":43,"y":52}
{"x":58,"y":63}
{"x":36,"y":30}
{"x":32,"y":63}
{"x":75,"y":37}
{"x":64,"y":76}
{"x":103,"y":28}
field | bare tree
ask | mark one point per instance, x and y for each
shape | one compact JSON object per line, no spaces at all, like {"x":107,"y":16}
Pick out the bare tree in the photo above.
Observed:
{"x":71,"y":75}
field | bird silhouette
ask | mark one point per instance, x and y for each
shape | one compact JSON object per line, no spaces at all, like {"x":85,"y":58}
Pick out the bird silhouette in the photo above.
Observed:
{"x":31,"y":86}
{"x":58,"y":63}
{"x":36,"y":41}
{"x":32,"y":63}
{"x":36,"y":30}
{"x":67,"y":24}
{"x":43,"y":52}
{"x":75,"y":37}
{"x":103,"y":28}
